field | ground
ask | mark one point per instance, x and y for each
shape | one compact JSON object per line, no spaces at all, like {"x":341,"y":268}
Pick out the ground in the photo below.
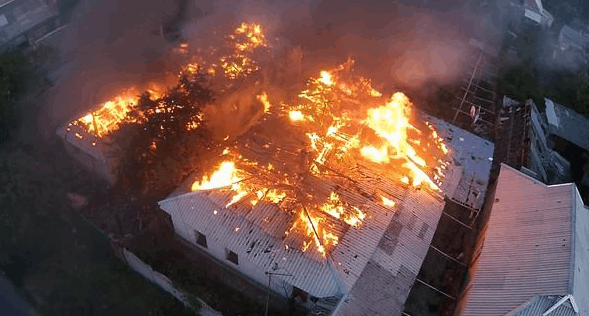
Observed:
{"x":59,"y":260}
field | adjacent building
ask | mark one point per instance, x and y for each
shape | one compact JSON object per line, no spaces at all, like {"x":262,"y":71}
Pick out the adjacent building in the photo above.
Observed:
{"x":98,"y":155}
{"x":24,"y":22}
{"x":535,"y":11}
{"x":532,"y":256}
{"x":527,"y":139}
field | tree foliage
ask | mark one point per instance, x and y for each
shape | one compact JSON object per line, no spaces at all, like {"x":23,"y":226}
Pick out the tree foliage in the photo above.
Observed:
{"x":163,"y":149}
{"x":569,"y":88}
{"x":14,"y":70}
{"x":522,"y":82}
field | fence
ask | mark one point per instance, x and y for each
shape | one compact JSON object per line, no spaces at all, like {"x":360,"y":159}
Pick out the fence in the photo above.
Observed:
{"x":166,"y":284}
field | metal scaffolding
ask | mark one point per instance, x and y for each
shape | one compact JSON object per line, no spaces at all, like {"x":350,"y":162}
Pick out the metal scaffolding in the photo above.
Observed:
{"x":475,"y":109}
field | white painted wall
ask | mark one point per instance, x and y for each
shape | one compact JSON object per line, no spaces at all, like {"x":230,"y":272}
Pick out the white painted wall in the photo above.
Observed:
{"x":244,"y":266}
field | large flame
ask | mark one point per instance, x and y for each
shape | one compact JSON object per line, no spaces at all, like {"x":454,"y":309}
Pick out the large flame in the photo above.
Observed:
{"x":327,"y":114}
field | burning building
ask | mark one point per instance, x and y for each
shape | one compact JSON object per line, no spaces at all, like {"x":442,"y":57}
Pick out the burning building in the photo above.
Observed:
{"x":335,"y":194}
{"x":531,"y":256}
{"x":332,"y":193}
{"x":89,"y":138}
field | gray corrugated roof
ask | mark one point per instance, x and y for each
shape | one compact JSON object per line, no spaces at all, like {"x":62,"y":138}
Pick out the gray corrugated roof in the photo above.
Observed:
{"x":386,"y":281}
{"x":266,"y":223}
{"x":530,"y":246}
{"x":474,"y":155}
{"x":22,"y":16}
{"x":540,"y":304}
{"x":580,"y":266}
{"x":568,"y":124}
{"x":569,"y":36}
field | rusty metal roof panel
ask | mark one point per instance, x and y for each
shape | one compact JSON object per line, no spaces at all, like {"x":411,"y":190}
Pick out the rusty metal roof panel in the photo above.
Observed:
{"x":527,"y":246}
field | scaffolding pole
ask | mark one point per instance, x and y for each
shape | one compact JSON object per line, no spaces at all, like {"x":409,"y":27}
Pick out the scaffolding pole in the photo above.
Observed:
{"x":433,"y":288}
{"x":469,"y":84}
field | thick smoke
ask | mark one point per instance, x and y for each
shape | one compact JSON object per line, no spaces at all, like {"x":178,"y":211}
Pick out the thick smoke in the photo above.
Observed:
{"x":400,"y":46}
{"x":396,"y":44}
{"x":114,"y":45}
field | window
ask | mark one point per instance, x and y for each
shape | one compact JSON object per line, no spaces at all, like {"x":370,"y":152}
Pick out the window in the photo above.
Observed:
{"x":231,"y":256}
{"x":201,"y":239}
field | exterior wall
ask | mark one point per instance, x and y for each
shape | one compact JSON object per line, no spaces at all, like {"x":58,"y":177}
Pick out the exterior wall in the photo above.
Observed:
{"x":101,"y":167}
{"x":581,"y":256}
{"x":219,"y":252}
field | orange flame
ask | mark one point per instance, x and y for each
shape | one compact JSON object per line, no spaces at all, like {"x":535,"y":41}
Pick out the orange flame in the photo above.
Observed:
{"x":108,"y":118}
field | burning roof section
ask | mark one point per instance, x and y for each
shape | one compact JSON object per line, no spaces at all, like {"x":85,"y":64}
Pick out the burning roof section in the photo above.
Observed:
{"x":232,"y":60}
{"x":287,"y":155}
{"x":474,"y":154}
{"x":301,"y":188}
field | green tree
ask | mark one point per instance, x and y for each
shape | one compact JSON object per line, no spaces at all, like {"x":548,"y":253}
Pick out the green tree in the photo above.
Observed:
{"x":521,"y":82}
{"x":14,"y":71}
{"x":162,"y":149}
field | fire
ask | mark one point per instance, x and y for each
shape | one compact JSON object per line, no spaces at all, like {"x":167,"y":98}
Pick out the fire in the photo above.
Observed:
{"x":226,"y":175}
{"x":342,"y":121}
{"x":311,"y":225}
{"x":326,"y":78}
{"x":391,"y":122}
{"x":264,"y":99}
{"x":327,"y":116}
{"x":387,"y":202}
{"x":108,"y":118}
{"x":254,"y":36}
{"x":336,"y":208}
{"x":296,"y":116}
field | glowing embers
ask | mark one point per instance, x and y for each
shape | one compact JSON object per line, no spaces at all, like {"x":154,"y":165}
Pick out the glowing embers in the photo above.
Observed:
{"x":249,"y":36}
{"x":245,"y":40}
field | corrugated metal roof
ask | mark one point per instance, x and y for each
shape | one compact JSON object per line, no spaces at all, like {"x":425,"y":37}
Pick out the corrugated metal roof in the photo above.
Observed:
{"x":569,"y":36}
{"x":568,"y":124}
{"x":100,"y":149}
{"x":475,"y":157}
{"x":527,"y":246}
{"x":534,"y":16}
{"x":386,"y":281}
{"x":20,"y":16}
{"x":540,"y":304}
{"x":259,"y":238}
{"x":580,"y":267}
